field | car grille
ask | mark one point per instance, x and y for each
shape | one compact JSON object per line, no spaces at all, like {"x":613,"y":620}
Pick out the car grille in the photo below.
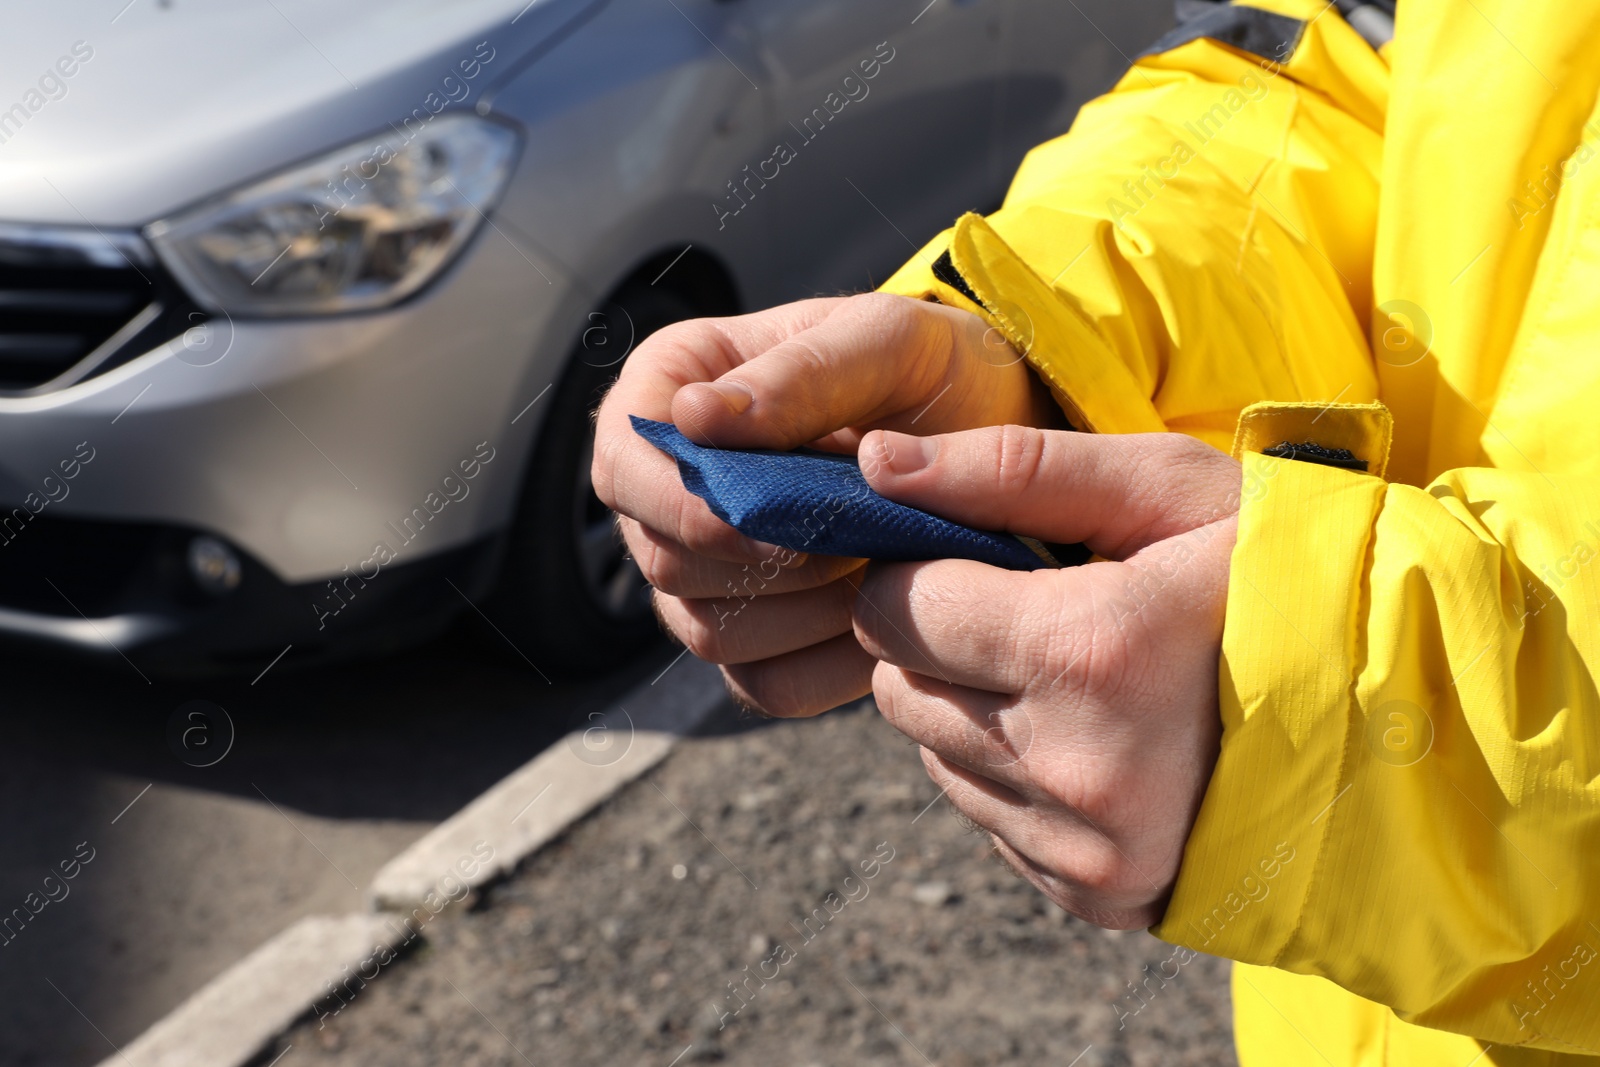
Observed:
{"x":75,"y":303}
{"x":54,"y":566}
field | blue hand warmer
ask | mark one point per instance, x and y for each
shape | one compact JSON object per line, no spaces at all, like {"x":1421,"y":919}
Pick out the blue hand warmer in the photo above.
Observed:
{"x":818,"y":502}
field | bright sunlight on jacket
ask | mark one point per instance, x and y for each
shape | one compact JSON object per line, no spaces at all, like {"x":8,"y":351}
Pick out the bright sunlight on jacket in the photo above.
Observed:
{"x":1388,"y":250}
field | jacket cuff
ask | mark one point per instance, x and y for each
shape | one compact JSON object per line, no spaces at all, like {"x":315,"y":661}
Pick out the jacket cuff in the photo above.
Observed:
{"x":1289,"y":660}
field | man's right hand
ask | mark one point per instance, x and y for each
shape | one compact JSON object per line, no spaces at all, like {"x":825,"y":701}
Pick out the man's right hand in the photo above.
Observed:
{"x":819,"y":373}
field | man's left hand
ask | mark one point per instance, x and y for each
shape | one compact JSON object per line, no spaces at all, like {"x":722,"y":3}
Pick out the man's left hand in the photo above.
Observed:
{"x":1071,"y":713}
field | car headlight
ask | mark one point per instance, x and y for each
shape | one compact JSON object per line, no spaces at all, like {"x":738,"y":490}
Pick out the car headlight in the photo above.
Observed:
{"x":361,"y":227}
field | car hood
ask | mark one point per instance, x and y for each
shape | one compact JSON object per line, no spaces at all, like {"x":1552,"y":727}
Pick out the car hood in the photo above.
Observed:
{"x":171,"y":101}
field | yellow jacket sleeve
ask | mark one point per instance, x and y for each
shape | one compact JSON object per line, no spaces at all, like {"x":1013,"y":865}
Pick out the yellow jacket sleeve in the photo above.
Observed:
{"x":1407,"y":800}
{"x":1200,"y":230}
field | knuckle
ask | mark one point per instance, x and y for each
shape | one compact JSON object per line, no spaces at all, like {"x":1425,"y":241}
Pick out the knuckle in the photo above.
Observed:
{"x":1096,"y":797}
{"x":1100,"y":871}
{"x":704,"y":630}
{"x":1100,"y":663}
{"x":653,"y":561}
{"x":694,"y":624}
{"x":760,"y":688}
{"x":683,"y":339}
{"x":668,"y":614}
{"x":637,"y":544}
{"x":934,"y":765}
{"x":690,"y":525}
{"x":885,"y":590}
{"x":1087,"y":661}
{"x":888,"y":686}
{"x":878,"y":305}
{"x":910,"y":326}
{"x":1019,"y":454}
{"x":603,"y":467}
{"x":864,"y":621}
{"x":744,"y":683}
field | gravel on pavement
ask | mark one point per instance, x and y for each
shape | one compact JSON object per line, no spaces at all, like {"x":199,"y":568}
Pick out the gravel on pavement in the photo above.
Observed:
{"x":773,"y":893}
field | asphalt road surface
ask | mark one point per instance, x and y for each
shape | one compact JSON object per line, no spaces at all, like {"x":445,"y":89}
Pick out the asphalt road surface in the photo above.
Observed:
{"x":177,"y":870}
{"x":790,"y":893}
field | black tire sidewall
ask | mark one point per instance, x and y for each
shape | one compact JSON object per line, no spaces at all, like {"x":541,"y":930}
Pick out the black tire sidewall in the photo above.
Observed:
{"x":541,"y":596}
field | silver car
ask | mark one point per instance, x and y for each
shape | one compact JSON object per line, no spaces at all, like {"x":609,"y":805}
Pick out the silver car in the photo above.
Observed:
{"x":304,"y":305}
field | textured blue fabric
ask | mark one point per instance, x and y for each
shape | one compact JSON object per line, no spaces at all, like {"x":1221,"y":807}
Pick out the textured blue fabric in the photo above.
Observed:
{"x":816,"y":502}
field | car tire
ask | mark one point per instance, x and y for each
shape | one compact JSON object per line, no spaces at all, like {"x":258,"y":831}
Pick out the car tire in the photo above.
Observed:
{"x":569,"y":597}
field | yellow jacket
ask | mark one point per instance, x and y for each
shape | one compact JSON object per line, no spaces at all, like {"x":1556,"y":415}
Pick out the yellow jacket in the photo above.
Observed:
{"x":1401,"y":842}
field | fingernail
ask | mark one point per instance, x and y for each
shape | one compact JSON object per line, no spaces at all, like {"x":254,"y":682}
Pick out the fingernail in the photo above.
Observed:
{"x":903,"y":453}
{"x":735,"y":394}
{"x":784,"y":558}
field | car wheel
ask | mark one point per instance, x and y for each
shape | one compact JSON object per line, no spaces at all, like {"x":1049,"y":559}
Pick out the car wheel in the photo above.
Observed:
{"x":569,"y":596}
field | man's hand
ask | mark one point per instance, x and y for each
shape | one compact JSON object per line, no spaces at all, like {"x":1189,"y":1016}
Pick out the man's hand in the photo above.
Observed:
{"x":819,"y":372}
{"x":1071,"y":713}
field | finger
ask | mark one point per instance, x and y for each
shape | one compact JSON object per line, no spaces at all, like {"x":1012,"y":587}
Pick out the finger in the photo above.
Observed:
{"x":639,"y":482}
{"x":1116,"y":493}
{"x":675,"y":569}
{"x":1073,"y":898}
{"x":702,"y":350}
{"x":731,"y":630}
{"x":632,"y":476}
{"x":1069,"y":860}
{"x":1041,"y":833}
{"x":873,"y":357}
{"x":803,"y":683}
{"x":986,"y":733}
{"x":974,"y":625}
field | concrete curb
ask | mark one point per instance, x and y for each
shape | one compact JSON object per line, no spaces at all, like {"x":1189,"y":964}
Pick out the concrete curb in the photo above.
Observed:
{"x":233,"y":1017}
{"x":537,"y":802}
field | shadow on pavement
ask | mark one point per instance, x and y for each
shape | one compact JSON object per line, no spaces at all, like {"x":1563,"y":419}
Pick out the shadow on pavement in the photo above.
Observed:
{"x":330,"y":773}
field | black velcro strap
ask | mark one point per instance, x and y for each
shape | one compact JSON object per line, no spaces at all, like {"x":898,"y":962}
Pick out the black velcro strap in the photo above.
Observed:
{"x":945,"y":270}
{"x":1265,"y":34}
{"x":1311,"y":452}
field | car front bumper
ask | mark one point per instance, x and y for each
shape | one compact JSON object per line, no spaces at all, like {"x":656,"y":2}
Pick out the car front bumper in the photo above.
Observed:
{"x":389,"y":444}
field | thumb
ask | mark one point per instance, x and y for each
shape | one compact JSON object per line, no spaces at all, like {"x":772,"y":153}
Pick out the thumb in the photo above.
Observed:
{"x":873,"y":356}
{"x":1116,"y":493}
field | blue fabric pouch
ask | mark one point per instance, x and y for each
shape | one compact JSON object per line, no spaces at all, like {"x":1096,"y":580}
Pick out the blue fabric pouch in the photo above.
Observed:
{"x":809,"y":501}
